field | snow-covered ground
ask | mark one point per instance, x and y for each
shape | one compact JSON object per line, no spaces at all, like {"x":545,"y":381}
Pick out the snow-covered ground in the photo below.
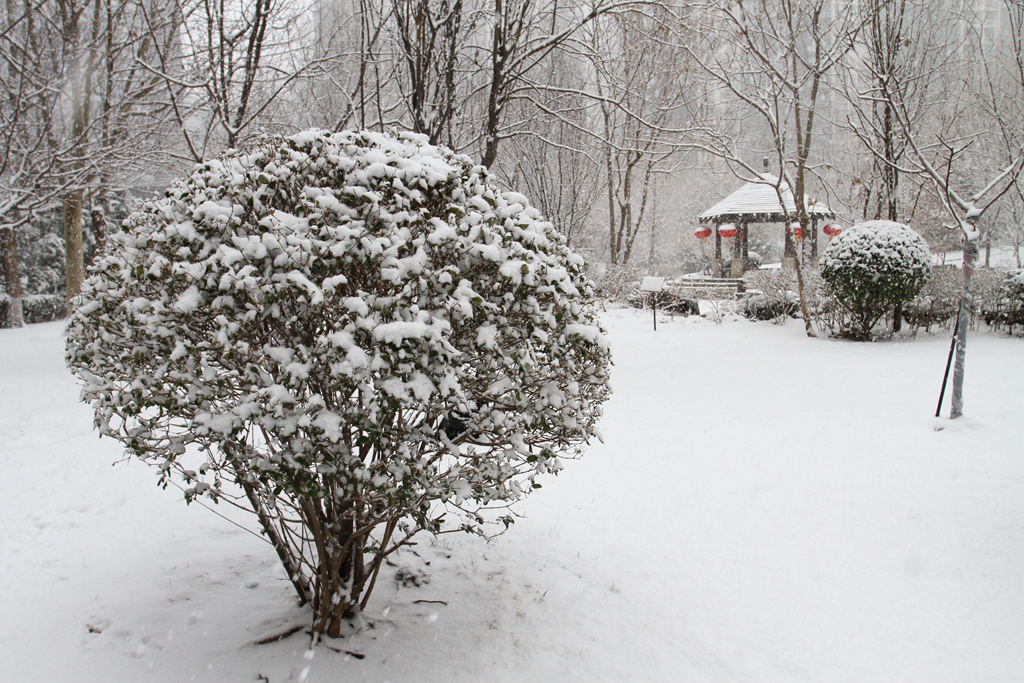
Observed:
{"x":765,"y":507}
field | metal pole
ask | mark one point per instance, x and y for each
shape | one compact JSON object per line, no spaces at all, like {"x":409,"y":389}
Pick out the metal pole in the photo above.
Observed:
{"x":945,"y":377}
{"x":654,"y":309}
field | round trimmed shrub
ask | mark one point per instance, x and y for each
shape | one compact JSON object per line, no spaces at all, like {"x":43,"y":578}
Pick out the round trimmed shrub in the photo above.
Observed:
{"x":353,"y":335}
{"x":871,"y":268}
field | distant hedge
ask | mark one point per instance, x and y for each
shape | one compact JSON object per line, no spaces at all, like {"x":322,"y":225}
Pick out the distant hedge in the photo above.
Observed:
{"x":37,"y":308}
{"x":997,"y":298}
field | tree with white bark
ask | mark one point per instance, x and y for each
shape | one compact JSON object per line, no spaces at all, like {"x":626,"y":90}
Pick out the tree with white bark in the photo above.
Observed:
{"x":941,"y":157}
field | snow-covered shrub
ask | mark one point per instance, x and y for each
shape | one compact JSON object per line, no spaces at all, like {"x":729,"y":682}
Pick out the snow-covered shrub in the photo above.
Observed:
{"x":669,"y":300}
{"x":42,"y":260}
{"x":772,"y":295}
{"x":871,"y":268}
{"x":617,"y":282}
{"x":938,"y":301}
{"x":1013,"y":291}
{"x":352,"y":335}
{"x":35,"y":308}
{"x":1008,"y":308}
{"x":987,"y":293}
{"x":828,"y":314}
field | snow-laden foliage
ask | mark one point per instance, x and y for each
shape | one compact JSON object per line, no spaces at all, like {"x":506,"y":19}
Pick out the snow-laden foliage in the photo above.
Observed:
{"x":358,"y":332}
{"x":938,"y":301}
{"x":871,"y":268}
{"x":1008,"y":308}
{"x":772,"y":295}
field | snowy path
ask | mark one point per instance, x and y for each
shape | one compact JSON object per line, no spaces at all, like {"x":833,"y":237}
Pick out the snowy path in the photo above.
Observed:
{"x":765,"y":507}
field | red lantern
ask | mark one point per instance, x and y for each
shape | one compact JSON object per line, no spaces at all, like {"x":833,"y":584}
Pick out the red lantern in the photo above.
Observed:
{"x":703,"y":233}
{"x":831,"y":230}
{"x":798,"y":233}
{"x":727,"y":231}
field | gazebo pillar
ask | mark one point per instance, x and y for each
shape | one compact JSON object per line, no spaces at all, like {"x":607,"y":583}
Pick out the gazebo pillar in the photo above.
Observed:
{"x":716,"y":265}
{"x":736,"y":266}
{"x":814,"y":239}
{"x":745,"y":227}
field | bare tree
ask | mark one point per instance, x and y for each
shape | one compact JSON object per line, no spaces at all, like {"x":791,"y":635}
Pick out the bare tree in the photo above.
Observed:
{"x":76,"y":111}
{"x":230,"y":65}
{"x":467,"y":73}
{"x":774,"y":59}
{"x":429,"y":34}
{"x":1003,"y":64}
{"x":893,"y":51}
{"x":12,"y":277}
{"x":522,"y":34}
{"x":942,"y":159}
{"x":553,"y":157}
{"x":352,"y":67}
{"x":642,"y":114}
{"x":22,"y":132}
{"x":1015,"y":12}
{"x":30,"y":175}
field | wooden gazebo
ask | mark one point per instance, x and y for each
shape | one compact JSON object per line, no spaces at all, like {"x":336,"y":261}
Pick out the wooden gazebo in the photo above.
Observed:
{"x":758,"y":202}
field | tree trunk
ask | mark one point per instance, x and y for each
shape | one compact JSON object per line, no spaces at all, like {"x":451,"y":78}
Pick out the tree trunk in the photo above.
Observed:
{"x":492,"y":120}
{"x":12,"y":277}
{"x":80,"y":77}
{"x":970,"y":257}
{"x":73,"y":265}
{"x":99,"y":233}
{"x":789,"y":245}
{"x":808,"y":327}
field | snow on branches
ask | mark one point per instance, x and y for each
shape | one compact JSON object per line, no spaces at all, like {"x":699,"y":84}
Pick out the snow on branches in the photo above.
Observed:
{"x":358,"y":333}
{"x":873,"y":267}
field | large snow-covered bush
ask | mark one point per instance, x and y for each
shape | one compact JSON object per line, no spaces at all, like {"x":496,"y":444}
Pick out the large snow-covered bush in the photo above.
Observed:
{"x":351,"y":334}
{"x":871,"y":268}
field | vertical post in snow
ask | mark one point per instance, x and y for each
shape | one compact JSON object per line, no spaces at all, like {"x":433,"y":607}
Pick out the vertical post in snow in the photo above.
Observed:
{"x":945,"y":375}
{"x":653,"y":285}
{"x":963,"y":316}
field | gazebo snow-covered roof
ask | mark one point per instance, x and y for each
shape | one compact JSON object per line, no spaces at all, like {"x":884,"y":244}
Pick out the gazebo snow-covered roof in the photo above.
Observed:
{"x":758,"y":202}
